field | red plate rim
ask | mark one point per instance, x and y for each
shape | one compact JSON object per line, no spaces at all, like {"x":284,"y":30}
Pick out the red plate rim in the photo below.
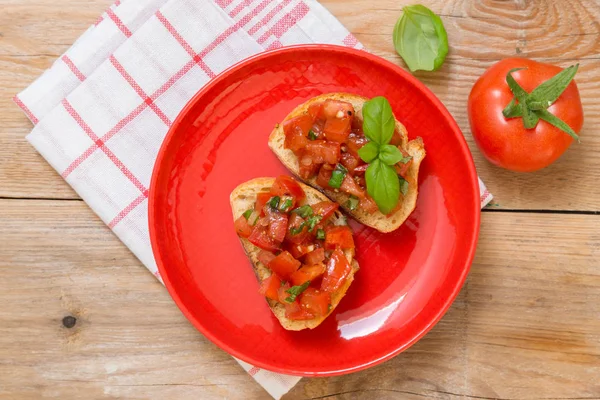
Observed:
{"x":472,"y":178}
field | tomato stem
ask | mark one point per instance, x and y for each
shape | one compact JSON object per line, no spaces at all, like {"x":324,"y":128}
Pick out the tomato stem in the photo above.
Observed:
{"x":532,"y":107}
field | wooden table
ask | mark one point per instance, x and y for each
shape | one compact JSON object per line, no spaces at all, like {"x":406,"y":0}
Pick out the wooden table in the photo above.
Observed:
{"x":525,"y":326}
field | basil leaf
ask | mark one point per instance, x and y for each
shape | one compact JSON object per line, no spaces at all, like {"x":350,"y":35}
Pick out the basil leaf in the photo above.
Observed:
{"x":274,"y":202}
{"x":320,"y":234}
{"x":369,"y":152}
{"x":286,"y":205}
{"x":378,"y":120}
{"x":337,"y":176}
{"x":352,"y":203}
{"x":312,"y":135}
{"x":247,"y":213}
{"x":403,"y":185}
{"x":420,"y":38}
{"x":304,"y":211}
{"x":312,"y":222}
{"x":390,"y":155}
{"x":295,"y":291}
{"x":383,"y":185}
{"x":298,"y":229}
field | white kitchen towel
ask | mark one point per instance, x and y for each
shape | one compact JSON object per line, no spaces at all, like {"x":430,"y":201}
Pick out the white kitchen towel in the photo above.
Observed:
{"x":102,"y":110}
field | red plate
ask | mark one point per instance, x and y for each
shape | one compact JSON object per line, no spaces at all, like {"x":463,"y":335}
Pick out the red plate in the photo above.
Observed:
{"x":407,"y":279}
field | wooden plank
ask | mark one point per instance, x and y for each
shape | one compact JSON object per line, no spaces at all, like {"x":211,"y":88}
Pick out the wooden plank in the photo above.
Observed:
{"x":525,"y":325}
{"x":479,"y":34}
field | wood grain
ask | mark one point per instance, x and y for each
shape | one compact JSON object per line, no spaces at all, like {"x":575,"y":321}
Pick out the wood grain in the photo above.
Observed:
{"x":524,"y":326}
{"x":480,"y":32}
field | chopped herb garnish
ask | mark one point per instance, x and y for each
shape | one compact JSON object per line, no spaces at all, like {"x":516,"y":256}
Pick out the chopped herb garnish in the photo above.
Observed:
{"x":311,"y":135}
{"x":286,"y":205}
{"x":403,"y":185}
{"x":312,"y":222}
{"x":247,"y":213}
{"x":337,"y":176}
{"x":320,"y":234}
{"x":304,"y":211}
{"x":296,"y":230}
{"x":274,"y":202}
{"x":295,"y":291}
{"x":352,"y":203}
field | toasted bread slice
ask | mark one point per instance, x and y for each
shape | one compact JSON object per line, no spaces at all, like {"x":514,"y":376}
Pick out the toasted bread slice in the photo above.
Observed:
{"x":377,"y":220}
{"x":243,"y":198}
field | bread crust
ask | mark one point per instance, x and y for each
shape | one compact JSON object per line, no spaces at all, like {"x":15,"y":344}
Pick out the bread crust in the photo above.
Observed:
{"x":377,"y":220}
{"x":243,"y":198}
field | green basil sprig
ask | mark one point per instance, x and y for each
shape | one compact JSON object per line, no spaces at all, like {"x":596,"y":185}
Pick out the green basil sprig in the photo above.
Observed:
{"x":532,"y":107}
{"x":383,"y":184}
{"x":420,"y":38}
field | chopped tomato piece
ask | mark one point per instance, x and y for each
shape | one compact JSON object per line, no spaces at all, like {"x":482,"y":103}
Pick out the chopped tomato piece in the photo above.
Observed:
{"x":350,"y":161}
{"x":325,"y":175}
{"x":287,"y":186}
{"x":368,"y":204}
{"x":261,"y":199}
{"x":315,"y":257}
{"x":315,"y":110}
{"x":295,"y":222}
{"x":361,"y":169}
{"x":278,"y":226}
{"x":315,"y":301}
{"x":265,"y":257}
{"x":298,"y":250}
{"x":295,"y":141}
{"x":332,"y":107}
{"x":260,"y":238}
{"x":338,"y":270}
{"x":354,"y":143}
{"x":325,"y":209}
{"x":322,"y":151}
{"x":242,"y":227}
{"x":402,"y":168}
{"x":337,"y":129}
{"x":301,"y":124}
{"x":282,"y":294}
{"x":350,"y":186}
{"x":339,"y":237}
{"x":270,"y":287}
{"x":295,"y":312}
{"x":308,"y":168}
{"x":284,"y":265}
{"x":307,"y":273}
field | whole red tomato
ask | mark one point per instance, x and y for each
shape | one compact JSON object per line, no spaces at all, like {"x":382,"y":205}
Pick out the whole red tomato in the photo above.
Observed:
{"x":506,"y":142}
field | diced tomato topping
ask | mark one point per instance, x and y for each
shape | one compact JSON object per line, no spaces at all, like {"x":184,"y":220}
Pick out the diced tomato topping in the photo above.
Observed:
{"x":315,"y":110}
{"x":325,"y":175}
{"x":368,"y":204}
{"x":325,"y":209}
{"x":295,"y":141}
{"x":270,"y":287}
{"x":307,"y":273}
{"x":278,"y":226}
{"x":308,"y":168}
{"x":361,"y":169}
{"x":265,"y":257}
{"x":354,"y":143}
{"x":282,"y":292}
{"x":402,"y":168}
{"x":261,"y":238}
{"x":339,"y":237}
{"x":322,"y":151}
{"x":338,"y":270}
{"x":332,"y":107}
{"x":337,"y":129}
{"x":298,"y":250}
{"x":350,"y":161}
{"x":242,"y":227}
{"x":261,"y":199}
{"x":287,"y":186}
{"x":350,"y":186}
{"x":315,"y":257}
{"x":302,"y":124}
{"x":284,"y":265}
{"x":315,"y":301}
{"x":295,"y":222}
{"x":295,"y":312}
